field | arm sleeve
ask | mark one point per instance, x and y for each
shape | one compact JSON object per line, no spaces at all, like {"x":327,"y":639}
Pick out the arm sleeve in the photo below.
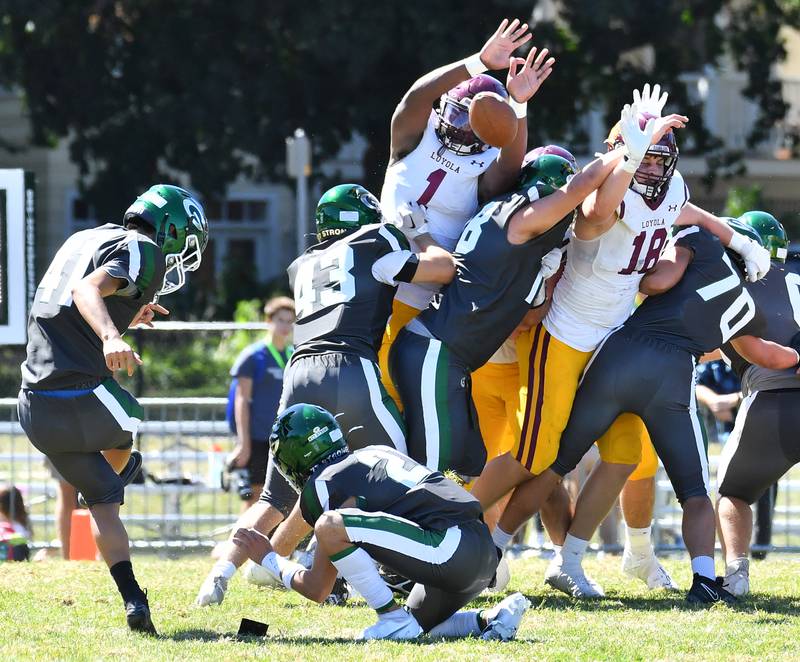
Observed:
{"x":139,"y":262}
{"x":394,"y":267}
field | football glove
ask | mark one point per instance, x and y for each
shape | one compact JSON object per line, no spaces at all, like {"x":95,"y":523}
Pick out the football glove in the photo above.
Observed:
{"x":649,"y":102}
{"x":411,"y":220}
{"x":637,"y":140}
{"x":756,"y":258}
{"x":551,"y":262}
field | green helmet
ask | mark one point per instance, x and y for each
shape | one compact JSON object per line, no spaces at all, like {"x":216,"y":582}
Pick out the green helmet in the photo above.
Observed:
{"x":547,"y":173}
{"x":769,"y":228}
{"x":345,"y":208}
{"x":737,"y":225}
{"x":303,"y":436}
{"x":180,"y":227}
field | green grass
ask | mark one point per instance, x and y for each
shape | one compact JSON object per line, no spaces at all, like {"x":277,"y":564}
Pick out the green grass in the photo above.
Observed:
{"x":54,"y":610}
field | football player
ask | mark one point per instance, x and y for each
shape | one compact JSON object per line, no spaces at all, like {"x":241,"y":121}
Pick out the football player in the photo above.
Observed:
{"x":437,"y":161}
{"x":763,"y":445}
{"x":618,"y":235}
{"x":376,"y":504}
{"x":498,"y":258}
{"x":697,"y":302}
{"x":343,"y":288}
{"x":100,"y":282}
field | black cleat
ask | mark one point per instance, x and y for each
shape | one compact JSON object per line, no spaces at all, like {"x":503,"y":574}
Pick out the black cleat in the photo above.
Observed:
{"x":137,"y":612}
{"x":128,"y":473}
{"x":340,"y":593}
{"x":400,"y":586}
{"x":706,"y":591}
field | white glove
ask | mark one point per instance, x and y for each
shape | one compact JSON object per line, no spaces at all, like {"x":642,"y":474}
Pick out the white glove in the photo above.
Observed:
{"x":637,"y":140}
{"x":281,"y":568}
{"x":212,"y":591}
{"x":756,"y":257}
{"x":651,"y":103}
{"x":411,"y":220}
{"x":551,"y":262}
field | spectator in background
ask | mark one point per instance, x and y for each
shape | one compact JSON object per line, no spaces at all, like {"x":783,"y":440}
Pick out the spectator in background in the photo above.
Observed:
{"x":256,"y":391}
{"x":15,"y":527}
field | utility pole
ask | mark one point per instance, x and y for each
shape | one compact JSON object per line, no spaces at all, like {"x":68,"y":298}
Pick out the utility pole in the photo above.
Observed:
{"x":298,"y":166}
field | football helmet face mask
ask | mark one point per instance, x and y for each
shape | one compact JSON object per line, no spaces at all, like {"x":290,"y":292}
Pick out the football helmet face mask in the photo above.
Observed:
{"x":770,"y":230}
{"x":546,"y":173}
{"x":556,"y":150}
{"x":650,"y":185}
{"x":303,"y":437}
{"x":452,"y":127}
{"x":345,"y":208}
{"x":181,"y":229}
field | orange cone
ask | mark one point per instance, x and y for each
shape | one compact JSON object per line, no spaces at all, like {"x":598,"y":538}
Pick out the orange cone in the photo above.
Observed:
{"x":81,"y":541}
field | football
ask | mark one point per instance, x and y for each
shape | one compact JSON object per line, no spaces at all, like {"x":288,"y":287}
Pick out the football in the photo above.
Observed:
{"x":492,"y":119}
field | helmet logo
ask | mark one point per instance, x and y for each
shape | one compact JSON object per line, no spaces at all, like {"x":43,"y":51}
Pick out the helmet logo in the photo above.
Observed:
{"x":370,"y":201}
{"x":194,"y":212}
{"x":317,"y":432}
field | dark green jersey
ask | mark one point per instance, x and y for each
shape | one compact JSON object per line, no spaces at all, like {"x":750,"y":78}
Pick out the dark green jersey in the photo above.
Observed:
{"x":381,"y":479}
{"x":343,"y":290}
{"x":777,"y":298}
{"x":495,"y":284}
{"x":63,"y":350}
{"x":707,"y":307}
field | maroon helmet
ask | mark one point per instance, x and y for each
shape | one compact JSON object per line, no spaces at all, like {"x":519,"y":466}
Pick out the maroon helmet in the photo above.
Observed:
{"x":650,"y":186}
{"x":556,"y":150}
{"x":453,"y":129}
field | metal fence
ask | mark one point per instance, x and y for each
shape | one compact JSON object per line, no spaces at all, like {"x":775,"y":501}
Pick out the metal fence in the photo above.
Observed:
{"x":182,"y":505}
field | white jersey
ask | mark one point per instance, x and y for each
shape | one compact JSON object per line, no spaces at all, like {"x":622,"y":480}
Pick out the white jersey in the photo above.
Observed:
{"x":446,"y":183}
{"x":597,"y":291}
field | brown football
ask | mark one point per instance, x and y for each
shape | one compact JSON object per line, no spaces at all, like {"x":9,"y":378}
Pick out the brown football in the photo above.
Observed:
{"x":492,"y":119}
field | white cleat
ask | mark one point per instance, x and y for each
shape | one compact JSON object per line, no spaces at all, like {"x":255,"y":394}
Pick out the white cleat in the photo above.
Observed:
{"x":212,"y":591}
{"x":648,"y":569}
{"x":737,"y":577}
{"x":397,"y":625}
{"x":502,"y":576}
{"x":260,"y":576}
{"x":504,"y":618}
{"x":571,"y":580}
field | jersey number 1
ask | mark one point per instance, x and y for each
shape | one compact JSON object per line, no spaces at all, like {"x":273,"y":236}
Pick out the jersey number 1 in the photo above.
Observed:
{"x":435,"y":180}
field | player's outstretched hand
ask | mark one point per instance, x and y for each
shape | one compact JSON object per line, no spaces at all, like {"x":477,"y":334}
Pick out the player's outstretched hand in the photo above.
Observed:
{"x":147,"y":312}
{"x":506,"y":39}
{"x":256,"y":545}
{"x":120,"y":356}
{"x":526,"y":75}
{"x":411,"y":219}
{"x":650,"y":102}
{"x":637,"y":140}
{"x":664,"y":125}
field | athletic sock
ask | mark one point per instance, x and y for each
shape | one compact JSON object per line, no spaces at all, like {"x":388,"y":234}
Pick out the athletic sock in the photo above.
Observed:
{"x":223,"y":569}
{"x":128,"y":587}
{"x":358,"y":568}
{"x":573,"y":550}
{"x":460,"y":624}
{"x":638,"y":540}
{"x":501,"y":538}
{"x":703,"y":565}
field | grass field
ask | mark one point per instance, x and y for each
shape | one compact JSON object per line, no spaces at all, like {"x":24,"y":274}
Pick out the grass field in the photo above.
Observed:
{"x":53,"y":610}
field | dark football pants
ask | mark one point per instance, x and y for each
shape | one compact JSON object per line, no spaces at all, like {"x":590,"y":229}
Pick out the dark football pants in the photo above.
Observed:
{"x":435,"y":388}
{"x":763,"y":446}
{"x":350,"y":388}
{"x":450,"y":567}
{"x":72,"y":427}
{"x":630,"y":372}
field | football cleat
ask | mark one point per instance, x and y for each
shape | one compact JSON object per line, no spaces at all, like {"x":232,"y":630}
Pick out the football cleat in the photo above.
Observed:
{"x":571,"y":580}
{"x":401,"y":586}
{"x":706,"y":591}
{"x":260,"y":576}
{"x":501,"y":576}
{"x":503,"y":619}
{"x":212,"y":591}
{"x":397,"y":624}
{"x":648,"y":569}
{"x":137,"y":613}
{"x":340,"y":593}
{"x":737,"y":577}
{"x":128,"y":473}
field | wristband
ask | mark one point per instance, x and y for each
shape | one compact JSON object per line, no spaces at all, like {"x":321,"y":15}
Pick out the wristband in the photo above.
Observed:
{"x":630,"y":165}
{"x":474,"y":65}
{"x":290,"y":573}
{"x":520,"y":107}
